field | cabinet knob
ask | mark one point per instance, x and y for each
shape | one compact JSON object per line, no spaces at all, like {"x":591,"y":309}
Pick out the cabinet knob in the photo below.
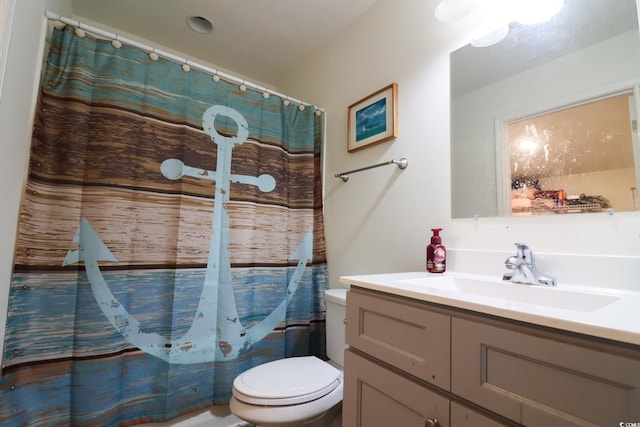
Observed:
{"x":431,"y":422}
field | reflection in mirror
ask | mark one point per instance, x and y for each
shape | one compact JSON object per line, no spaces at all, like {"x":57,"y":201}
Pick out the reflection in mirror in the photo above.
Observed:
{"x":539,"y":82}
{"x":577,"y":159}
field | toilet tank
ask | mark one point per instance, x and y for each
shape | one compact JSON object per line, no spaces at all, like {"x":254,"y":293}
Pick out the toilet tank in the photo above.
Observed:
{"x":336,"y":301}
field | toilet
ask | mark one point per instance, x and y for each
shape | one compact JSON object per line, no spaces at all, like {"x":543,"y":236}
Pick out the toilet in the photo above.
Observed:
{"x":297,"y":391}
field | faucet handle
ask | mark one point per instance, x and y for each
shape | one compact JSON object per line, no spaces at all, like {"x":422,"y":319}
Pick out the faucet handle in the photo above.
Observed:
{"x":524,"y":252}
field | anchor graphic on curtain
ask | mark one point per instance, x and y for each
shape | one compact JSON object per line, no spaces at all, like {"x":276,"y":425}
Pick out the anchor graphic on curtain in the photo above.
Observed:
{"x":216,"y":332}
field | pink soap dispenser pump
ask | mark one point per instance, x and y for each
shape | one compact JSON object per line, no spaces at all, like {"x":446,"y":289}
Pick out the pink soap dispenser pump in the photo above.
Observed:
{"x":436,"y":253}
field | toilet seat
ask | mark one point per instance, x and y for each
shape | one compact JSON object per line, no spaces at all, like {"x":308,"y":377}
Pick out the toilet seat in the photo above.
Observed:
{"x":284,"y":382}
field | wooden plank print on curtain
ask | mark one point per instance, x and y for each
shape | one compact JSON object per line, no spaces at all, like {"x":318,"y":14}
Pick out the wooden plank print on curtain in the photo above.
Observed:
{"x":171,"y":236}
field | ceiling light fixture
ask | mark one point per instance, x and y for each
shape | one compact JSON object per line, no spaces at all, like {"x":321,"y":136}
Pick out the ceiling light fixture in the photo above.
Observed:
{"x":200,"y":24}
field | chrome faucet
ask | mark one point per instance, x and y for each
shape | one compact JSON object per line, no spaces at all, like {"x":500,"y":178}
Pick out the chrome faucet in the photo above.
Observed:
{"x":524,"y":268}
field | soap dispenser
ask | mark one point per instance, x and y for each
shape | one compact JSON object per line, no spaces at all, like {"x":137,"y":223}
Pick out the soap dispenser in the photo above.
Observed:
{"x":436,"y":253}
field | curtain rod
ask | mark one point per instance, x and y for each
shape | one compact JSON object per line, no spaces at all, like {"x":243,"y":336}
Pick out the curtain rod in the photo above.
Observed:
{"x":56,"y":17}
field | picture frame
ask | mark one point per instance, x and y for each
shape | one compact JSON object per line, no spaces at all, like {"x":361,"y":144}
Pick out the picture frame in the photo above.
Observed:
{"x":373,"y":119}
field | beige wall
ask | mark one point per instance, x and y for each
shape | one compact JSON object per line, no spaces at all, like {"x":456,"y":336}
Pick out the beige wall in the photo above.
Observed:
{"x":379,"y":221}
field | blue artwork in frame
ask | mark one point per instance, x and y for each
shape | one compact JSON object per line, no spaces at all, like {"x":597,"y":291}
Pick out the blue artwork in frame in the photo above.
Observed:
{"x":373,"y":119}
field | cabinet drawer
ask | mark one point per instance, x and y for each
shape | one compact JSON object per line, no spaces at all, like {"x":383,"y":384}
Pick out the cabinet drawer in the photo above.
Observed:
{"x":541,"y":382}
{"x":402,"y":334}
{"x":377,"y":397}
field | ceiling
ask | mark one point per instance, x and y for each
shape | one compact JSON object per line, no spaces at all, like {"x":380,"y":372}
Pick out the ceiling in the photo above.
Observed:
{"x":260,"y":40}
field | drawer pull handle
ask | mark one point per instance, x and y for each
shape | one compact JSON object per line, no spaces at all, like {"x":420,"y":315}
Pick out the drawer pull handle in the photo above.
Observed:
{"x":431,"y":422}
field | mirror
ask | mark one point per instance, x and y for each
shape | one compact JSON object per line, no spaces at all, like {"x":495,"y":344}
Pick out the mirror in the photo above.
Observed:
{"x":568,"y":88}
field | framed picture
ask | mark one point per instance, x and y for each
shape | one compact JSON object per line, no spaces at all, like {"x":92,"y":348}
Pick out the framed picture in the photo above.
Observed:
{"x":374,"y":119}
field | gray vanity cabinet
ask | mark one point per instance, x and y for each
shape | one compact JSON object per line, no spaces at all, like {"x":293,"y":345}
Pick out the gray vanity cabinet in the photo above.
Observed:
{"x":375,"y":396}
{"x":410,"y":363}
{"x":540,"y":380}
{"x":402,"y":333}
{"x":462,"y":416}
{"x":397,"y":367}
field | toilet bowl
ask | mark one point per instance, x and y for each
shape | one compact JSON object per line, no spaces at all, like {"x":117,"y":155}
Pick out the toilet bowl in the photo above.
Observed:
{"x":287,"y":392}
{"x":297,"y":391}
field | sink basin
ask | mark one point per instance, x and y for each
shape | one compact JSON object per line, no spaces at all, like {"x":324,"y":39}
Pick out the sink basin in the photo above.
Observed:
{"x":513,"y":294}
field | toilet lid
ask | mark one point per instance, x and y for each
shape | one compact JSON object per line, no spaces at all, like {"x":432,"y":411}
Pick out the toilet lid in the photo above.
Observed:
{"x":286,"y":381}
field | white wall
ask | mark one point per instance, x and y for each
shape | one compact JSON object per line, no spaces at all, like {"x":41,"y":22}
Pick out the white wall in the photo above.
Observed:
{"x":6,"y":16}
{"x":379,"y":221}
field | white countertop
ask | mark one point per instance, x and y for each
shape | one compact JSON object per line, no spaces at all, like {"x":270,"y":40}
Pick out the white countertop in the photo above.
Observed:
{"x":606,"y":313}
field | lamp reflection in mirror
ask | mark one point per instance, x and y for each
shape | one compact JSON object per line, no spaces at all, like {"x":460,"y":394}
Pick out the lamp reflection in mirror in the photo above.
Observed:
{"x":494,"y":16}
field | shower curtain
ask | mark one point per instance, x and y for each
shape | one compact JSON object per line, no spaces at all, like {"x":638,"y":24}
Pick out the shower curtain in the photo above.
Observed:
{"x":171,"y":236}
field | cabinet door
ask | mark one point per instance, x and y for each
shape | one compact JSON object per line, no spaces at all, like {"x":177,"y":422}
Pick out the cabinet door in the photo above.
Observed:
{"x":540,"y":381}
{"x":461,"y":416}
{"x":400,"y":333}
{"x":377,"y":397}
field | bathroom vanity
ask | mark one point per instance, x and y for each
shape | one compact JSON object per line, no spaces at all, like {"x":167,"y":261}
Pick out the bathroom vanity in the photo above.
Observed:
{"x":437,"y":353}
